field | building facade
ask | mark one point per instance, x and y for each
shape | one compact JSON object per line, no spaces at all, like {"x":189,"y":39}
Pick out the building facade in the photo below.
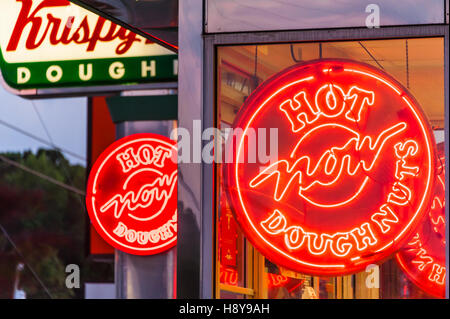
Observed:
{"x":339,"y":111}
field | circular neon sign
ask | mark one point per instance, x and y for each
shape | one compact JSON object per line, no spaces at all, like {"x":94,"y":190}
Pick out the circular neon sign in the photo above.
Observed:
{"x":132,"y":194}
{"x":423,"y":257}
{"x":354,"y":171}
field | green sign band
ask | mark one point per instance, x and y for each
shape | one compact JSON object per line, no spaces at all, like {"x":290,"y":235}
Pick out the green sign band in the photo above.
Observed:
{"x":93,"y":72}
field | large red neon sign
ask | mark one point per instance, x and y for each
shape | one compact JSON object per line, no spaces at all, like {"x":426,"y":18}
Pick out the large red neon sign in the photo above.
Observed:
{"x":423,"y":258}
{"x":355,"y":167}
{"x":132,"y":194}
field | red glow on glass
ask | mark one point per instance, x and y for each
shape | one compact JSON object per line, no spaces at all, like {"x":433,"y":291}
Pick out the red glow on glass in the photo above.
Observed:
{"x":228,"y":275}
{"x":354,"y":173}
{"x":423,"y":257}
{"x":227,"y":232}
{"x":132,"y":194}
{"x":276,"y":280}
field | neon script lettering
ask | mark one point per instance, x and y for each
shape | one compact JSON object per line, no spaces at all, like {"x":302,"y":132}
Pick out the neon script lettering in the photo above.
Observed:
{"x":131,"y":196}
{"x":337,"y":161}
{"x":340,"y":244}
{"x":423,"y":257}
{"x":159,"y":191}
{"x":438,"y":205}
{"x":330,"y":101}
{"x":276,"y":280}
{"x":163,"y":233}
{"x":426,"y":263}
{"x":145,"y":197}
{"x":145,"y":155}
{"x":333,"y":164}
{"x":354,"y":171}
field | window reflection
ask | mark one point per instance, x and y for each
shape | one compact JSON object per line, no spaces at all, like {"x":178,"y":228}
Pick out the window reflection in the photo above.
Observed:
{"x":415,"y":63}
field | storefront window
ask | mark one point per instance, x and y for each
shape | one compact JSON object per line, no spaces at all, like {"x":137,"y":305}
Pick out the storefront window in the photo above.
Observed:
{"x":242,"y":272}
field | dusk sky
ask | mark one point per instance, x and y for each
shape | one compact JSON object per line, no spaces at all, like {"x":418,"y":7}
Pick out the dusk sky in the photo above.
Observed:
{"x":65,"y":119}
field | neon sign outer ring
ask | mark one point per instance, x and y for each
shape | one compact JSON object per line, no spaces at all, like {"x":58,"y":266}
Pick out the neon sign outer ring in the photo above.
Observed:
{"x":108,"y":174}
{"x":422,"y":259}
{"x":255,"y":106}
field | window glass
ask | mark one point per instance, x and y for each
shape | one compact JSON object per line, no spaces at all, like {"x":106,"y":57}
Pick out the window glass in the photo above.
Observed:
{"x":418,"y":64}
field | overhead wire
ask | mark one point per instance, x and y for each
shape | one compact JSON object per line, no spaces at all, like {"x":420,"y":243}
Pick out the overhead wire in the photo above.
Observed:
{"x":66,"y":171}
{"x":370,"y":54}
{"x":17,"y":250}
{"x":37,"y":138}
{"x":41,"y":175}
{"x":42,"y":123}
{"x":34,"y":172}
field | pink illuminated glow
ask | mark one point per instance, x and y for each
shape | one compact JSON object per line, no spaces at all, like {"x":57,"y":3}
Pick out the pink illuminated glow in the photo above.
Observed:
{"x":339,"y":244}
{"x":423,"y":258}
{"x":377,"y":78}
{"x":437,"y":274}
{"x":424,"y":262}
{"x":149,"y":180}
{"x":309,"y":113}
{"x":302,"y":167}
{"x":438,"y":204}
{"x":276,"y":280}
{"x":144,"y":198}
{"x":228,"y":275}
{"x":331,"y":165}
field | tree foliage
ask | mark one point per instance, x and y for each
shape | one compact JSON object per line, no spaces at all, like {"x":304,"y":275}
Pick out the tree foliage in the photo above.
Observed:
{"x":46,"y":222}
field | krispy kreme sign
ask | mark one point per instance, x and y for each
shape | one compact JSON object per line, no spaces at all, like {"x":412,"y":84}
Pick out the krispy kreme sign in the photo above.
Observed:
{"x":55,"y":43}
{"x":423,"y":257}
{"x":354,"y":173}
{"x":131,"y":195}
